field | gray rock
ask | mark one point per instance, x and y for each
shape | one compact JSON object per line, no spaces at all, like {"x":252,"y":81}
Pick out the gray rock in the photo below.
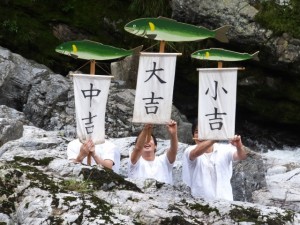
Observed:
{"x":11,"y":124}
{"x":248,"y":176}
{"x":47,"y":100}
{"x":276,"y":51}
{"x":39,"y":186}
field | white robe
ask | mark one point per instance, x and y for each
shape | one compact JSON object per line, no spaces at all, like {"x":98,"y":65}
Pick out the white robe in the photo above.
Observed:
{"x":209,"y":176}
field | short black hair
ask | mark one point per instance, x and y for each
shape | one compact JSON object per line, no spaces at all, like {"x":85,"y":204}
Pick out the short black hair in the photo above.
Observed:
{"x":154,"y":139}
{"x":194,"y":126}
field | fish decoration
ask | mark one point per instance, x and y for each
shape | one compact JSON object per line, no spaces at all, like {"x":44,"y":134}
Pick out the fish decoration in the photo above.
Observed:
{"x":165,"y":29}
{"x":92,"y":50}
{"x":219,"y":54}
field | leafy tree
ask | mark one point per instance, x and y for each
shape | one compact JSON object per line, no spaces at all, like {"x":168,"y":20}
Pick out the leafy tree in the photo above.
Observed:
{"x":280,"y":18}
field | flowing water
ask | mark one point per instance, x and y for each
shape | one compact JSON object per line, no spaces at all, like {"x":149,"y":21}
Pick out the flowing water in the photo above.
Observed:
{"x":284,"y":155}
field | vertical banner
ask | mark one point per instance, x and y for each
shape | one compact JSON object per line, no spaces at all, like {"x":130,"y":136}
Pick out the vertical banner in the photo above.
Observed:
{"x":217,"y":103}
{"x":154,"y":89}
{"x":90,"y":93}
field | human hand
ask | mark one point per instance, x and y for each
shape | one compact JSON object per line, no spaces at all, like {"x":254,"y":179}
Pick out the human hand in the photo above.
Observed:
{"x":84,"y":151}
{"x":237,"y":141}
{"x":91,"y":147}
{"x":172,"y":127}
{"x":147,"y":127}
{"x":87,"y":147}
{"x":148,"y":131}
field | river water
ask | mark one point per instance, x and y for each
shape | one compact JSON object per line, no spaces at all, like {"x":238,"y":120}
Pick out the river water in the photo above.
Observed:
{"x":279,"y":143}
{"x":284,"y":155}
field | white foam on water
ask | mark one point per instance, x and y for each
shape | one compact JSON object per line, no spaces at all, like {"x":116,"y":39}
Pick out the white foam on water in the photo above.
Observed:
{"x":285,"y":155}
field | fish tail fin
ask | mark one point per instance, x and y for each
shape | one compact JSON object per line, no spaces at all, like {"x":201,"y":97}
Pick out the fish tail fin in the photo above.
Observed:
{"x":255,"y":56}
{"x":221,"y":34}
{"x":137,"y":50}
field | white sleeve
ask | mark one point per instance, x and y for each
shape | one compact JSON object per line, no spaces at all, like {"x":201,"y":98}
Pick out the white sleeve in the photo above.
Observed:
{"x":231,"y":150}
{"x":132,"y":168}
{"x":187,"y":166}
{"x":108,"y":154}
{"x":116,"y":160}
{"x":73,"y":149}
{"x":111,"y":152}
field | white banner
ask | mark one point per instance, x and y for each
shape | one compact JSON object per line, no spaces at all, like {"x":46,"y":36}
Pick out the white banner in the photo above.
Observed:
{"x":154,"y":90}
{"x":217,"y":103}
{"x":90,"y":93}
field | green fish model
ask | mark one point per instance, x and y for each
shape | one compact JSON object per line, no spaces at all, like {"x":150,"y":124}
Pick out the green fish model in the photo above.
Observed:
{"x":92,"y":50}
{"x":165,"y":29}
{"x":219,"y":54}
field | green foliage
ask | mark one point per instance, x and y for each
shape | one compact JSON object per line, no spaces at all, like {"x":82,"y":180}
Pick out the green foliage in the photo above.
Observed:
{"x":29,"y":27}
{"x":31,"y":161}
{"x":176,"y":220}
{"x":78,"y":186}
{"x":240,"y":214}
{"x":280,"y":18}
{"x":206,"y":209}
{"x":10,"y":26}
{"x":107,"y":180}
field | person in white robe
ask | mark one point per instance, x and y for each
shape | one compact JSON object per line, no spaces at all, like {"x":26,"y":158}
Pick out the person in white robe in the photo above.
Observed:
{"x":106,"y":154}
{"x":143,"y":163}
{"x":207,"y":166}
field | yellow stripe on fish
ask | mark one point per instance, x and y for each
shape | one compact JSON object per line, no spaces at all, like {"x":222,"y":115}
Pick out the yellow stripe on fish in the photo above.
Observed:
{"x":206,"y":54}
{"x":152,"y":26}
{"x":74,"y":48}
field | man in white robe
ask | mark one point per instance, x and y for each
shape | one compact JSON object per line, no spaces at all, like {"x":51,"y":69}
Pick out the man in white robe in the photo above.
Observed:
{"x":207,"y":166}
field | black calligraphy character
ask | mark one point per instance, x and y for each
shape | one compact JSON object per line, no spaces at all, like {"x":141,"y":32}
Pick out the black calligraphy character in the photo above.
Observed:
{"x":216,"y":91}
{"x":153,"y":108}
{"x":216,"y":125}
{"x":91,"y":93}
{"x":89,"y":129}
{"x":154,"y":74}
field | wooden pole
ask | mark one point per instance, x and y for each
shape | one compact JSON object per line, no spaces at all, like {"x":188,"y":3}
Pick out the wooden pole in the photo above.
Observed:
{"x":220,"y":64}
{"x":93,"y":67}
{"x":92,"y":71}
{"x":162,"y":45}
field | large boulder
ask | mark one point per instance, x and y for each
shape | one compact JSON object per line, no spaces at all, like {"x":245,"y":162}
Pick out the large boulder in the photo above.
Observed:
{"x":11,"y":124}
{"x":47,"y":100}
{"x":38,"y":185}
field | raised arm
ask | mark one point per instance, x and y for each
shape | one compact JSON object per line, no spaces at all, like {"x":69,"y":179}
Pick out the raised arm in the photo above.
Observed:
{"x":172,"y":151}
{"x":240,"y":154}
{"x":201,"y":147}
{"x":140,"y":142}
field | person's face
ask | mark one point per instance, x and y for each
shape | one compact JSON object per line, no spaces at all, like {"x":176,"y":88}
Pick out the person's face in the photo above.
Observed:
{"x":150,"y":146}
{"x":195,"y":135}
